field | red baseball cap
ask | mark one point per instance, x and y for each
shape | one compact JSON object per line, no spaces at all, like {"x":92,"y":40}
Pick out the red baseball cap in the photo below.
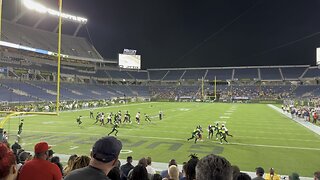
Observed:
{"x":41,"y":147}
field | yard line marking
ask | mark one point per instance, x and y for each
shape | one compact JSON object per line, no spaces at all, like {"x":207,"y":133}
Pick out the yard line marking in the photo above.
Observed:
{"x":73,"y":147}
{"x":283,"y":139}
{"x":273,"y":146}
{"x":175,"y":139}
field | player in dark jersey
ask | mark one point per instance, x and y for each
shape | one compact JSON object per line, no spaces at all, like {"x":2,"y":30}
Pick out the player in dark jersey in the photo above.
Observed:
{"x":217,"y":129}
{"x":160,"y":115}
{"x":147,"y":117}
{"x":79,"y":120}
{"x":210,"y":130}
{"x":200,"y":132}
{"x":20,"y":128}
{"x":127,"y":117}
{"x":91,"y":114}
{"x":97,"y":118}
{"x":195,"y":135}
{"x":114,"y":128}
{"x":223,"y":136}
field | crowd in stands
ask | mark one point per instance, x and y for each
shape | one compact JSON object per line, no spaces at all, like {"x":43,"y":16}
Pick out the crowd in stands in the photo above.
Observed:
{"x":308,"y":113}
{"x":225,"y":92}
{"x":104,"y":164}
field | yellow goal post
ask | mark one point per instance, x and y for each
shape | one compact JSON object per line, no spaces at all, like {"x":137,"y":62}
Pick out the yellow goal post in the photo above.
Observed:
{"x":9,"y":114}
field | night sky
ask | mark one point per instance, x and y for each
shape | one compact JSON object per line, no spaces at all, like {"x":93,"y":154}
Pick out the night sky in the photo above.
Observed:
{"x":202,"y":33}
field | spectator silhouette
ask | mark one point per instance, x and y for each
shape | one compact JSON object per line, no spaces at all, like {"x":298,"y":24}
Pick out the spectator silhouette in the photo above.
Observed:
{"x":125,"y":169}
{"x":8,"y":169}
{"x":213,"y":167}
{"x":104,"y":155}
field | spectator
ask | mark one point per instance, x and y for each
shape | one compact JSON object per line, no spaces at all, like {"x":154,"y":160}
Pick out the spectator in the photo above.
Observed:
{"x":213,"y":167}
{"x":126,"y":168}
{"x":272,"y":175}
{"x":184,"y":169}
{"x":150,"y":169}
{"x":235,"y":171}
{"x":242,"y":176}
{"x":191,"y":167}
{"x":80,"y":162}
{"x":114,"y":174}
{"x":142,"y":162}
{"x":56,"y":160}
{"x":139,"y":173}
{"x":22,"y":158}
{"x":15,"y":147}
{"x":173,"y":172}
{"x":294,"y":176}
{"x":165,"y":174}
{"x":5,"y":137}
{"x":316,"y":175}
{"x":104,"y":155}
{"x":39,"y":168}
{"x":50,"y":154}
{"x":69,"y":165}
{"x":259,"y":173}
{"x":156,"y":177}
{"x":8,"y":169}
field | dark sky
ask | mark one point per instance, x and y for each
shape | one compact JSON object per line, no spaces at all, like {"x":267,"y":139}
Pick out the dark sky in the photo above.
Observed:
{"x":203,"y":33}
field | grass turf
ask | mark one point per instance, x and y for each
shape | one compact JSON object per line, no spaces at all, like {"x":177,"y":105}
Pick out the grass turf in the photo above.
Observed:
{"x":262,"y":136}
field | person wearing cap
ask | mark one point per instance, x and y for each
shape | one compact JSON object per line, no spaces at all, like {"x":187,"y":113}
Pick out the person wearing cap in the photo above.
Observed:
{"x":259,"y":173}
{"x":104,"y":156}
{"x":39,"y":168}
{"x":272,"y":175}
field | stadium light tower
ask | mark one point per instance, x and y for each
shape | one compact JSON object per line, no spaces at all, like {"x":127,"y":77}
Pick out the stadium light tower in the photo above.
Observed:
{"x":35,"y":6}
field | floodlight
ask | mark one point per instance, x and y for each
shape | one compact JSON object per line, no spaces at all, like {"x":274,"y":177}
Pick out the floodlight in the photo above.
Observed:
{"x":30,"y":4}
{"x":35,"y":6}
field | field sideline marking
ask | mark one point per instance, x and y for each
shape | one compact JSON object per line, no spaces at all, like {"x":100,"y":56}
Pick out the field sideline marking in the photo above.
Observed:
{"x":177,"y":139}
{"x":273,"y":146}
{"x":308,"y":125}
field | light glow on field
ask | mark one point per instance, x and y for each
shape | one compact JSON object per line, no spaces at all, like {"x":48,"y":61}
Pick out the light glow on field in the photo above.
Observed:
{"x":42,"y":9}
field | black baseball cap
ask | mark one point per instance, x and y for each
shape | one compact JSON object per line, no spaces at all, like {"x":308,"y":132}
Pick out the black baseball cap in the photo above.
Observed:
{"x":260,"y":170}
{"x":106,"y":149}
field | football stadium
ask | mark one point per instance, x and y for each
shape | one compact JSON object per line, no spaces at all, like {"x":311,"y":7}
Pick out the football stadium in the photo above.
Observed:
{"x":63,"y":102}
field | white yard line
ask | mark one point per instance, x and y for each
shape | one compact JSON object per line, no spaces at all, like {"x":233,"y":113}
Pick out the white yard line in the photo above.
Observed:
{"x":179,"y":139}
{"x":273,"y":146}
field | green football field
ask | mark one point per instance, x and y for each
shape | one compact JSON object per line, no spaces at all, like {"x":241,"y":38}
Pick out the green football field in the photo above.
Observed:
{"x":262,"y":136}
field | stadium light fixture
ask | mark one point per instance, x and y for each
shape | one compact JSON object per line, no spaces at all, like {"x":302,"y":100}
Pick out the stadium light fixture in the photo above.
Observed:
{"x":30,"y":4}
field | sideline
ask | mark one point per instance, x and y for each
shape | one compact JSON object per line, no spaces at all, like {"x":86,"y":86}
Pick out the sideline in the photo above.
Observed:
{"x":301,"y":121}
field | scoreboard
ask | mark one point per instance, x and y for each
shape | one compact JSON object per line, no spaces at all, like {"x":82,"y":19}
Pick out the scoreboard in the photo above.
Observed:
{"x":130,"y":61}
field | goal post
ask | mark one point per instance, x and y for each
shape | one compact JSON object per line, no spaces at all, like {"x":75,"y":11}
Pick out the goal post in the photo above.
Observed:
{"x":9,"y":114}
{"x":205,"y":96}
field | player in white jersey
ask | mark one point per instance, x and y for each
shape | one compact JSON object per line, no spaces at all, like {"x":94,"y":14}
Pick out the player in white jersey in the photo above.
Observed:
{"x":138,"y":117}
{"x":102,"y":119}
{"x":225,"y":129}
{"x":109,"y":119}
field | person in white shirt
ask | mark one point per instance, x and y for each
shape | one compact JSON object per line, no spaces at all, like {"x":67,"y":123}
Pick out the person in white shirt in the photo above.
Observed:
{"x":138,"y":117}
{"x":149,"y":168}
